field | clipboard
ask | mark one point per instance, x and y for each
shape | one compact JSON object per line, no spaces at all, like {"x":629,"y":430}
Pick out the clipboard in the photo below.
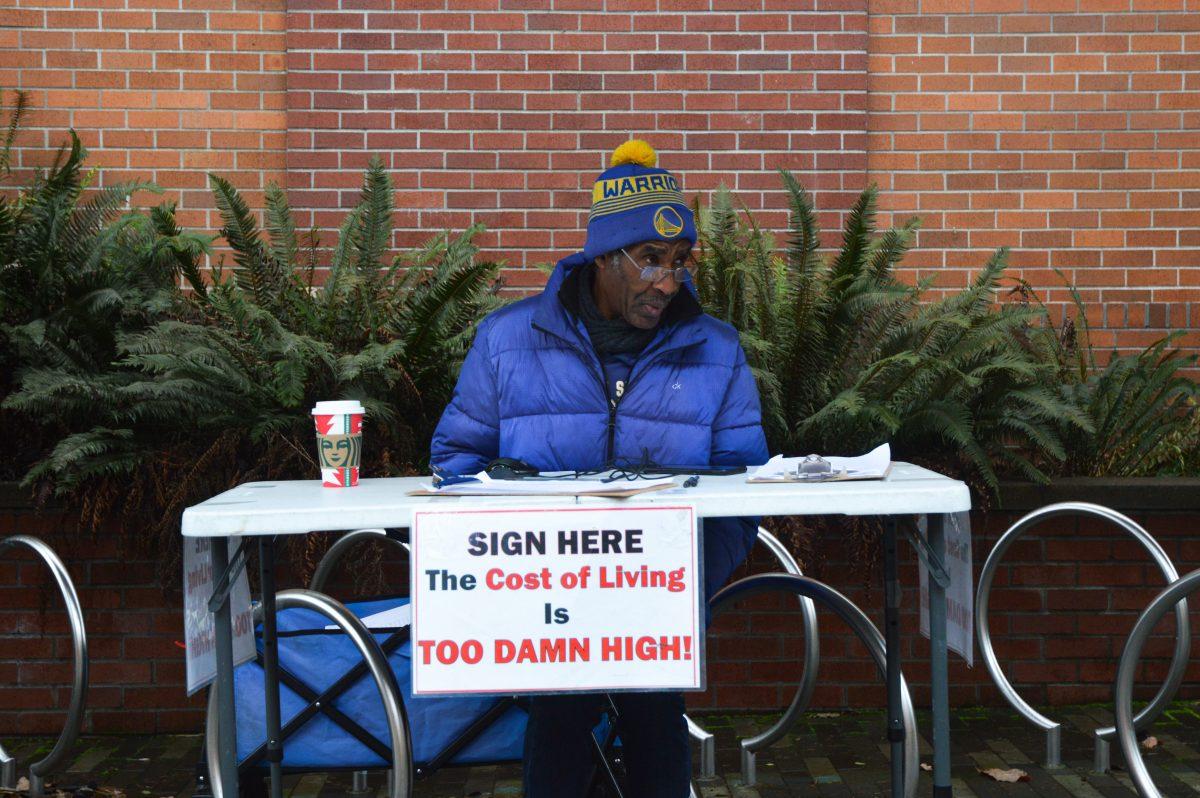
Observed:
{"x":875,"y":464}
{"x":843,"y":476}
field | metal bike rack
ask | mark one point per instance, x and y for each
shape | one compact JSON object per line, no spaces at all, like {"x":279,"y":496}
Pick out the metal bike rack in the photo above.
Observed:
{"x":708,"y":748}
{"x":1182,"y":629}
{"x":338,"y":550}
{"x":863,"y":629}
{"x":1176,"y":594}
{"x":401,"y":776}
{"x":38,"y":770}
{"x":804,"y":691}
{"x":321,"y":575}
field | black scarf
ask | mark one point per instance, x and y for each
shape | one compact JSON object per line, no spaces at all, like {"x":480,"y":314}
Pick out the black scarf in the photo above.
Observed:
{"x":609,"y":336}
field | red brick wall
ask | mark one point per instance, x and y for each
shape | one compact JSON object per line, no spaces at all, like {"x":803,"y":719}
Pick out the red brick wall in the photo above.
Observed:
{"x":1062,"y":128}
{"x":1065,"y":129}
{"x":137,"y":678}
{"x":1063,"y":602}
{"x":504,"y":113}
{"x":1066,"y":655}
{"x":159,"y":90}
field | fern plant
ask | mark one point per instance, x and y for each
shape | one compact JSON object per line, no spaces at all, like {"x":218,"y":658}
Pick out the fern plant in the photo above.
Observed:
{"x":1141,"y":406}
{"x":847,"y":356}
{"x":221,"y":391}
{"x":74,"y":272}
{"x":77,"y":271}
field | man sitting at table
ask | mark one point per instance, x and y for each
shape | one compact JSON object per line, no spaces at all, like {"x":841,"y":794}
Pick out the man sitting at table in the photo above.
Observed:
{"x":613,"y":363}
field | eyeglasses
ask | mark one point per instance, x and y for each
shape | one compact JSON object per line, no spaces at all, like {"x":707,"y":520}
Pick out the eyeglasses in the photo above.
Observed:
{"x":654,"y":274}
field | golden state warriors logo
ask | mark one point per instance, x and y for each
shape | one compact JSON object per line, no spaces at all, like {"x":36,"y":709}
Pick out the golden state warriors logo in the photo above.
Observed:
{"x":667,"y":222}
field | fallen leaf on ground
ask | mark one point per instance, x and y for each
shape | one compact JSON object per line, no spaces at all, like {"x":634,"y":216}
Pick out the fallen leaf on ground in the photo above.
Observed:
{"x":828,"y":714}
{"x":23,"y":784}
{"x":925,"y":766}
{"x":1150,"y":742}
{"x":1010,"y":776}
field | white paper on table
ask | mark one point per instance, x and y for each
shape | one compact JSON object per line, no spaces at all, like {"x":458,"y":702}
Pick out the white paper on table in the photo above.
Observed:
{"x":542,"y":487}
{"x":395,"y":618}
{"x":872,"y":465}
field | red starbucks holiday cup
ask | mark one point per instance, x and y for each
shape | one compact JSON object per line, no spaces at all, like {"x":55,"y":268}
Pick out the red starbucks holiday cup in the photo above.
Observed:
{"x":339,"y":442}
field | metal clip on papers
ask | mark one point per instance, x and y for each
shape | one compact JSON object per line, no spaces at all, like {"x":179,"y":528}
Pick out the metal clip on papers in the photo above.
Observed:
{"x":814,"y":466}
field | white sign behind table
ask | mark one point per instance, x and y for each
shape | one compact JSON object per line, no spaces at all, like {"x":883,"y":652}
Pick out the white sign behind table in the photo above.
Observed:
{"x":960,"y":595}
{"x":556,"y":600}
{"x":199,"y":630}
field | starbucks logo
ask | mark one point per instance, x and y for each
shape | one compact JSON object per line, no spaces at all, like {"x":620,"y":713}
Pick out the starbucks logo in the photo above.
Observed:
{"x":667,"y":222}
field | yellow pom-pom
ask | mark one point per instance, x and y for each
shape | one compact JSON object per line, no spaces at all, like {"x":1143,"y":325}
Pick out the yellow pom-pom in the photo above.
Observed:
{"x":635,"y":151}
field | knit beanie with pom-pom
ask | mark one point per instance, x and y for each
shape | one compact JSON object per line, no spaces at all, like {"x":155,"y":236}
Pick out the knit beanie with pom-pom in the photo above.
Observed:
{"x":634,"y":201}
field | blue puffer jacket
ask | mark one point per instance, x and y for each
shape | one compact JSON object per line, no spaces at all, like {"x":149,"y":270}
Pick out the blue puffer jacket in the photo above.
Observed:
{"x":532,"y":388}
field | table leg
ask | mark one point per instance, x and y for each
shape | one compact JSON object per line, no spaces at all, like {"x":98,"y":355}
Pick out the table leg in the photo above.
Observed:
{"x":226,"y":727}
{"x":938,"y":679}
{"x":891,"y":632}
{"x":266,"y":571}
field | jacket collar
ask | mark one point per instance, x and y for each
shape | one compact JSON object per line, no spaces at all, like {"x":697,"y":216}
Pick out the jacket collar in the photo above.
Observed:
{"x":558,"y":306}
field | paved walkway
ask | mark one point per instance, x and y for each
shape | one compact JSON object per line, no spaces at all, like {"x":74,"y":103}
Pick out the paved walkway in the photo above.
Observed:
{"x":829,"y":755}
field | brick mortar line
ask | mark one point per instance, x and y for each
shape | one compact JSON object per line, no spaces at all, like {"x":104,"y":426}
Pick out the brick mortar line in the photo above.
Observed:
{"x":345,"y":128}
{"x":514,"y":73}
{"x":579,"y":70}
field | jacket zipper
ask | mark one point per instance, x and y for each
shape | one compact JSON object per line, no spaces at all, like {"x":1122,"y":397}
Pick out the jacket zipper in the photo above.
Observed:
{"x":601,"y":377}
{"x":633,"y":372}
{"x":612,"y":418}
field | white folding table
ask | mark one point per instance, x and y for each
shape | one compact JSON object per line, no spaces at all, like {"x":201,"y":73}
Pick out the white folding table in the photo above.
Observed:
{"x":268,"y":509}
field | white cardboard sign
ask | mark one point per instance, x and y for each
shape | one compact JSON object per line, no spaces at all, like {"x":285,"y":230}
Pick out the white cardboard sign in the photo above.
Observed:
{"x":199,"y":628}
{"x":960,"y":595}
{"x":581,"y":599}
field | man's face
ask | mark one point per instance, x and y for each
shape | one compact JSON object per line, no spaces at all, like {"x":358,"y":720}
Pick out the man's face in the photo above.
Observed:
{"x":621,"y":291}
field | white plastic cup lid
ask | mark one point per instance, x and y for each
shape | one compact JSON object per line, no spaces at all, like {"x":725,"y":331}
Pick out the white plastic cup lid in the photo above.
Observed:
{"x":346,"y":407}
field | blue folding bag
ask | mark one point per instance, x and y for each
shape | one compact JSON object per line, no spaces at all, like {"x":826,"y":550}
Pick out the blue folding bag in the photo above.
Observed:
{"x":318,"y":658}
